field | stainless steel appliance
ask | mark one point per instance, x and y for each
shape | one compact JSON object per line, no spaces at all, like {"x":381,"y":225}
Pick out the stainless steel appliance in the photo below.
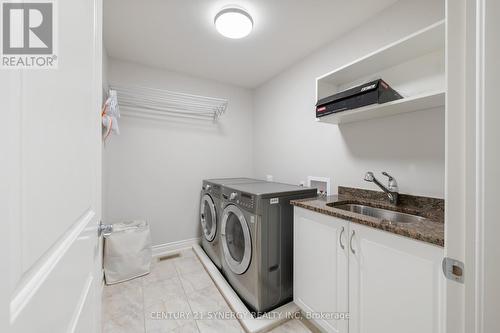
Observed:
{"x":257,"y":241}
{"x":210,"y":209}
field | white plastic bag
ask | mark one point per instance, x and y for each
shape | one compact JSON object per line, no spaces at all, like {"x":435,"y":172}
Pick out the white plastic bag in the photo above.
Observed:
{"x":127,"y":251}
{"x":110,"y":114}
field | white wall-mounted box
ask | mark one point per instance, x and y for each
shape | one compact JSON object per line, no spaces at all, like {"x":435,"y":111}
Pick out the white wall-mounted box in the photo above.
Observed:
{"x":321,"y":183}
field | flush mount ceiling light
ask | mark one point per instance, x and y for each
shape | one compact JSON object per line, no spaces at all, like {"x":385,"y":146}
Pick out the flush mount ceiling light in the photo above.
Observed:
{"x":233,"y":23}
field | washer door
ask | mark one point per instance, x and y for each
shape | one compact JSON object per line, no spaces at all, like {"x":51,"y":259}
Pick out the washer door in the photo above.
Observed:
{"x":208,"y":217}
{"x":236,"y":241}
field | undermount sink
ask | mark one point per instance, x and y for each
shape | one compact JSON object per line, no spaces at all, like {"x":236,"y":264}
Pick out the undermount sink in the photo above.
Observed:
{"x":379,"y":213}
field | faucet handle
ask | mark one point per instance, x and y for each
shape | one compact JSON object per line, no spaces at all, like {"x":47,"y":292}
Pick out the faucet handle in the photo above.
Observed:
{"x":369,"y":177}
{"x":393,"y":184}
{"x":387,"y":175}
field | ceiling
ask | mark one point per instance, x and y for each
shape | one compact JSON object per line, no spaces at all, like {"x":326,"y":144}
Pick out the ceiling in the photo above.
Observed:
{"x":179,"y":35}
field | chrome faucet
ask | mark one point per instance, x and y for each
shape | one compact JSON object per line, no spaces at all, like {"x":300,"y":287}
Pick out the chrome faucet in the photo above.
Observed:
{"x":392,"y":188}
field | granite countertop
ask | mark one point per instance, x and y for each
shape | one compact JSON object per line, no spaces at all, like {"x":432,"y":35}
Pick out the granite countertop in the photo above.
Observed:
{"x":430,"y":230}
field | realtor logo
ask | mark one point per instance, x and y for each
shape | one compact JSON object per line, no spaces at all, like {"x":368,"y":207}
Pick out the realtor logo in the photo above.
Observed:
{"x":28,"y":34}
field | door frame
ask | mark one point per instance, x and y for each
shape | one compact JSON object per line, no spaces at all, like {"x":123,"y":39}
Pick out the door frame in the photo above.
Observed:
{"x":486,"y":251}
{"x":456,"y":176}
{"x":472,"y":161}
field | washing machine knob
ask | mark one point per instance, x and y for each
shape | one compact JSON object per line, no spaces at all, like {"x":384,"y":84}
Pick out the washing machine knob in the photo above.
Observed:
{"x":207,"y":187}
{"x":233,"y":196}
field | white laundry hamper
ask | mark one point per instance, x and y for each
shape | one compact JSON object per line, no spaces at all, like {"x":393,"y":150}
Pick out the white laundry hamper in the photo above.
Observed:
{"x":127,"y":251}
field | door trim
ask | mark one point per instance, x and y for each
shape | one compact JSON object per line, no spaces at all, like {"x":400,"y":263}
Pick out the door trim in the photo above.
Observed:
{"x":456,"y":171}
{"x":485,"y":249}
{"x":472,"y":98}
{"x":42,"y":269}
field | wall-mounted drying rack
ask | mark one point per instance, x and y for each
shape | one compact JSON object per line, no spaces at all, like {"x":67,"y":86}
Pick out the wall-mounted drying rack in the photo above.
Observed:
{"x":158,"y":104}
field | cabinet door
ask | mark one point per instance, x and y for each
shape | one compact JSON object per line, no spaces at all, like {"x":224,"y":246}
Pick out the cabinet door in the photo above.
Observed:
{"x":395,"y":283}
{"x":321,"y":268}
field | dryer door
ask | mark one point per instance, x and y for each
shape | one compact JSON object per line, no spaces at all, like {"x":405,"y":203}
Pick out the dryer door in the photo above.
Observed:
{"x":208,"y":217}
{"x":236,"y":240}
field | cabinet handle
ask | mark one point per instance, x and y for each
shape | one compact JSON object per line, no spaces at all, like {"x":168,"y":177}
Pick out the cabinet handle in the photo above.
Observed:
{"x":350,"y":242}
{"x":340,"y":238}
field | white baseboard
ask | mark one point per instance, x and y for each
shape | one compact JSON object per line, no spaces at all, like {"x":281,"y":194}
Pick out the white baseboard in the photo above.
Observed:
{"x":168,"y":248}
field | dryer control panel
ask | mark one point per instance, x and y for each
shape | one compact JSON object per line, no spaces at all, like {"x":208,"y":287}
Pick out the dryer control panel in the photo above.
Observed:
{"x":213,"y":189}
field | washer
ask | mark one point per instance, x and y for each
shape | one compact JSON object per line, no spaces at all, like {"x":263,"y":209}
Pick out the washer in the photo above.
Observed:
{"x":210,"y":209}
{"x":257,"y":241}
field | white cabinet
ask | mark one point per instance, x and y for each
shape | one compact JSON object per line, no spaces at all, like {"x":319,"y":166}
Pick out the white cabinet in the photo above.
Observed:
{"x":321,"y":268}
{"x":388,"y":283}
{"x":395,"y":283}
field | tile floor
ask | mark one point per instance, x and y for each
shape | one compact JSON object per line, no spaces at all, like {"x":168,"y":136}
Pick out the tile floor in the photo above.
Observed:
{"x":180,"y":288}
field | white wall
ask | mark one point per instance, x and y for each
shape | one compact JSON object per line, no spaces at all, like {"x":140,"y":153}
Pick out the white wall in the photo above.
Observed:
{"x":290,"y":144}
{"x":154,"y":169}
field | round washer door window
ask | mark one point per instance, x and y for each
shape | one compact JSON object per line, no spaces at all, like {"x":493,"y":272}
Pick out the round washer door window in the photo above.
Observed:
{"x":236,"y":241}
{"x":208,"y":218}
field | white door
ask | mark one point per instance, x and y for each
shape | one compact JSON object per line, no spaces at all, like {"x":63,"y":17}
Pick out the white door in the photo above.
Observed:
{"x":53,"y":181}
{"x":395,"y":283}
{"x":321,"y":268}
{"x":9,"y":167}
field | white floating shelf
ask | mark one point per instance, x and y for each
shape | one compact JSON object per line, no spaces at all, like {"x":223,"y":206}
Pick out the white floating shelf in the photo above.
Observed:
{"x":414,"y":66}
{"x":416,"y":103}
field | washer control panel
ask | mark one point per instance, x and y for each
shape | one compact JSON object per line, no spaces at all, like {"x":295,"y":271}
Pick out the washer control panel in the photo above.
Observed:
{"x":242,"y":199}
{"x":246,"y":200}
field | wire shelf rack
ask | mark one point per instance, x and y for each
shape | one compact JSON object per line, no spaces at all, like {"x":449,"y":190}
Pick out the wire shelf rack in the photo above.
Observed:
{"x":158,"y":104}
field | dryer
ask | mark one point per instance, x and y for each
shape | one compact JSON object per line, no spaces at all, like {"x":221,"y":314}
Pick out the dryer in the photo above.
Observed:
{"x":210,"y":209}
{"x":257,"y":241}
